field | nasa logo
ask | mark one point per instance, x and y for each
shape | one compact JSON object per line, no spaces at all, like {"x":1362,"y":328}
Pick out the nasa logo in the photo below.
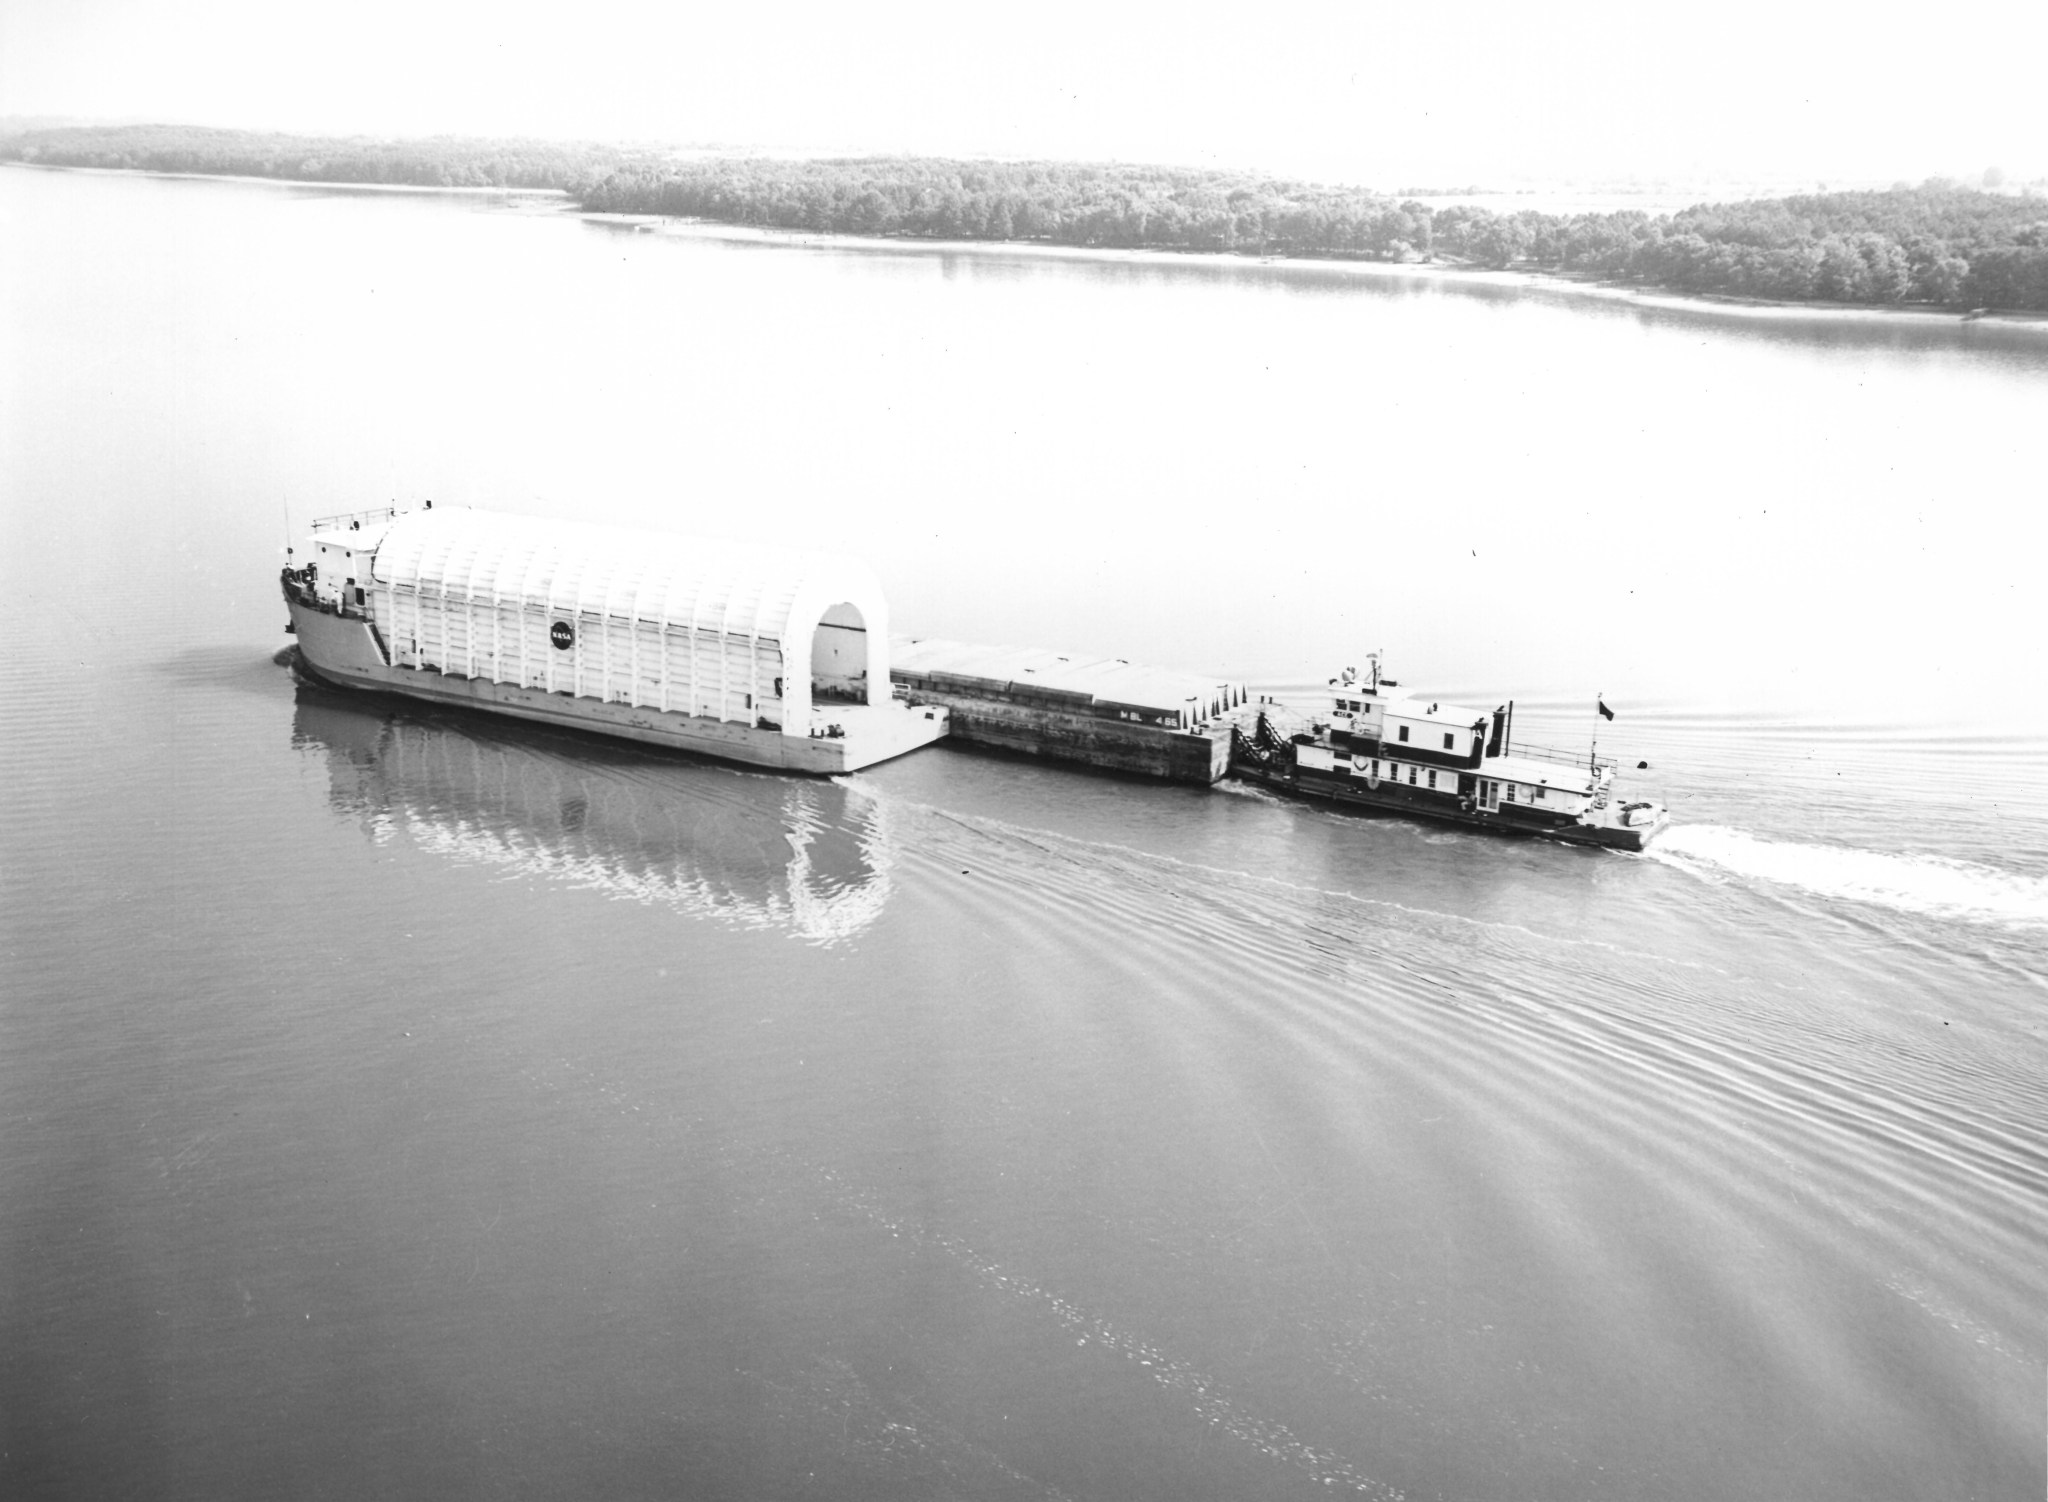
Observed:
{"x":563,"y":635}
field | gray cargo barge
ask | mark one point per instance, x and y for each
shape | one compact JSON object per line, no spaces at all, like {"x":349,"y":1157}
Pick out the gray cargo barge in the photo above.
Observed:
{"x":1099,"y":711}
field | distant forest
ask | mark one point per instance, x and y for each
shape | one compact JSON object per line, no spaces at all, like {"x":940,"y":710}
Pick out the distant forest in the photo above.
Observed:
{"x":432,"y":162}
{"x":1939,"y":244}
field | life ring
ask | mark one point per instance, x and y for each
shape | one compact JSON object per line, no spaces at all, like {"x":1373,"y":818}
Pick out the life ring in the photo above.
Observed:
{"x":1372,"y":781}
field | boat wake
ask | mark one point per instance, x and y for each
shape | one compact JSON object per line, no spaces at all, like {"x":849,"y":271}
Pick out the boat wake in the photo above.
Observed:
{"x":1923,"y":884}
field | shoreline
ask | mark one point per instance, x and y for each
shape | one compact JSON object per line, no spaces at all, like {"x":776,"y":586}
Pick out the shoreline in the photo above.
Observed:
{"x":293,"y":182}
{"x":1877,"y":315}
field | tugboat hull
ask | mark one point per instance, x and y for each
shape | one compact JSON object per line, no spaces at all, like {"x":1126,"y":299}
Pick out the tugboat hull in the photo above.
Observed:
{"x":1354,"y":796}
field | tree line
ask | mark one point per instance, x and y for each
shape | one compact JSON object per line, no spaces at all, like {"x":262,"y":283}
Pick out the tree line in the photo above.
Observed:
{"x":431,"y":162}
{"x":1939,"y":244}
{"x":1128,"y":207}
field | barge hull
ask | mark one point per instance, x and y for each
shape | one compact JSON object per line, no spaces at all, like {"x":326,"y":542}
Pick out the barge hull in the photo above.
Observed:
{"x":1200,"y":757}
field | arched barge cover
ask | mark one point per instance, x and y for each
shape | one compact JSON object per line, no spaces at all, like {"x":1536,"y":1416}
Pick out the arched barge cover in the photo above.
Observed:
{"x":626,"y":615}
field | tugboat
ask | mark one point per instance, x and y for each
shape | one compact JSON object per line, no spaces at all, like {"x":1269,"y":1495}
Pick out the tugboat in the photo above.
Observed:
{"x":1375,"y":746}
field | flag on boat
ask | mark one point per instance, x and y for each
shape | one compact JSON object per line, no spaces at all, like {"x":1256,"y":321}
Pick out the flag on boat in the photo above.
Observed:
{"x":1605,"y":712}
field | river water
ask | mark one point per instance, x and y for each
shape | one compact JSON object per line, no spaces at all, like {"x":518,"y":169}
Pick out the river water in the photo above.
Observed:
{"x":401,"y":1103}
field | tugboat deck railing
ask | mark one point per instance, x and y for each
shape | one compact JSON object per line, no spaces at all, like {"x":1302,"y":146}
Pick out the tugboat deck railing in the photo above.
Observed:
{"x":1551,"y":753}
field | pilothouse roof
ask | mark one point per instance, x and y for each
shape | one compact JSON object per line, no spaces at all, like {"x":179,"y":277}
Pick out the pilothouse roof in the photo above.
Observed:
{"x":1431,"y":711}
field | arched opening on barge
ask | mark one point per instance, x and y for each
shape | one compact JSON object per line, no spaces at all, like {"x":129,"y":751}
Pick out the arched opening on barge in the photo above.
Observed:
{"x":839,"y":656}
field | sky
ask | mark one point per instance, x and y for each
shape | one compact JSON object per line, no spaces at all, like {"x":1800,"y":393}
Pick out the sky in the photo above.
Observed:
{"x":1384,"y":95}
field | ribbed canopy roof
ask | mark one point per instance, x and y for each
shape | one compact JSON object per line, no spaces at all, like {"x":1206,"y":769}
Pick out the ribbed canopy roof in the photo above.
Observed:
{"x":628,"y":573}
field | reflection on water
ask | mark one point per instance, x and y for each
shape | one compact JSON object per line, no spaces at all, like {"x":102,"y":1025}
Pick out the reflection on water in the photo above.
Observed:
{"x":806,"y":856}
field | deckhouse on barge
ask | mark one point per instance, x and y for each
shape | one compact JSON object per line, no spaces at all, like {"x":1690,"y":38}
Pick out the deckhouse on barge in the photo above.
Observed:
{"x":777,"y":659}
{"x":1378,"y":747}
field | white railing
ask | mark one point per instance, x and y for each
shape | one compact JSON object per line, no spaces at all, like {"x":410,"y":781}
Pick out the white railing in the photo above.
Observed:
{"x":1551,"y":753}
{"x":343,"y":521}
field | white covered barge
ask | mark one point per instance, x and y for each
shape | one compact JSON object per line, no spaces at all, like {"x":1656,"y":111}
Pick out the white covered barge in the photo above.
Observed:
{"x":775,"y":659}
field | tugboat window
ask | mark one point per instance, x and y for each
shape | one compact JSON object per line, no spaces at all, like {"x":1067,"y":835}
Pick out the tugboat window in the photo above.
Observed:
{"x":1432,"y":779}
{"x":1404,"y":732}
{"x":1447,"y":740}
{"x":1411,"y":777}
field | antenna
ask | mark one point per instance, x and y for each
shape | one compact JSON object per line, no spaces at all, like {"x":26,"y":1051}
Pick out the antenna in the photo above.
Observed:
{"x":285,"y":503}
